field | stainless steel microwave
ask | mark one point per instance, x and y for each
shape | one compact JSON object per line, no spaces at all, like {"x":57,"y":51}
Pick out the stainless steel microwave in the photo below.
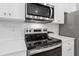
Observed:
{"x":39,"y":12}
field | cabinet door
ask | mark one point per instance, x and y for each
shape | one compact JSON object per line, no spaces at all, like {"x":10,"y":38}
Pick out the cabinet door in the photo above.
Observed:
{"x":12,"y":47}
{"x":12,"y":10}
{"x":58,"y":13}
{"x":68,"y":48}
{"x":70,"y":7}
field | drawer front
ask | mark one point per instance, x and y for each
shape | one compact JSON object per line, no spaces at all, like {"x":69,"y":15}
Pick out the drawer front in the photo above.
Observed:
{"x":68,"y":51}
{"x":68,"y":43}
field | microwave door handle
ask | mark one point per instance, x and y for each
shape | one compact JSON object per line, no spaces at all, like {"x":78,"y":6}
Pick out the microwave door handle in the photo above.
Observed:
{"x":51,"y":12}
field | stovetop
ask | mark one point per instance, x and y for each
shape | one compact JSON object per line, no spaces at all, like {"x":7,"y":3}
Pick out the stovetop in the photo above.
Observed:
{"x":43,"y":43}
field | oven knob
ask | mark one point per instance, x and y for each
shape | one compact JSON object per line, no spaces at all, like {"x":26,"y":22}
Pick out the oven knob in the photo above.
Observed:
{"x":26,"y":30}
{"x":29,"y":30}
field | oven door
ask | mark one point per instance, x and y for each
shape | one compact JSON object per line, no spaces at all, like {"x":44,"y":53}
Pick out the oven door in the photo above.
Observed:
{"x":50,"y":51}
{"x":53,"y":52}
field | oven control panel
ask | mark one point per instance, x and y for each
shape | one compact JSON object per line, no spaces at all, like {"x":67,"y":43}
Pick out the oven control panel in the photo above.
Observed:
{"x":33,"y":31}
{"x":42,"y":44}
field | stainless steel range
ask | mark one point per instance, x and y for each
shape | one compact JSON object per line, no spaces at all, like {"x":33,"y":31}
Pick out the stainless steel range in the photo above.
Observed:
{"x":38,"y":43}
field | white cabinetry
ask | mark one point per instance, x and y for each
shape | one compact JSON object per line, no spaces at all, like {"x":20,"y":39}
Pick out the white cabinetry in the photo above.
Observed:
{"x":68,"y":48}
{"x":12,"y":10}
{"x":18,"y":53}
{"x":17,"y":11}
{"x":13,"y":48}
{"x":70,"y":7}
{"x":67,"y":45}
{"x":58,"y":13}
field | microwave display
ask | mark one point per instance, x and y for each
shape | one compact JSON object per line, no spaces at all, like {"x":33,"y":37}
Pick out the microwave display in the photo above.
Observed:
{"x":37,"y":9}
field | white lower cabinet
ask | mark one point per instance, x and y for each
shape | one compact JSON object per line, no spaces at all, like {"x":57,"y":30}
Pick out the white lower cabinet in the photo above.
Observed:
{"x":67,"y":45}
{"x":19,"y":53}
{"x":68,"y":48}
{"x":13,"y":48}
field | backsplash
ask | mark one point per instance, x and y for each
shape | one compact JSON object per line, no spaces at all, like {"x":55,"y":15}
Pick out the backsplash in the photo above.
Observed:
{"x":11,"y":30}
{"x":51,"y":27}
{"x":14,"y":30}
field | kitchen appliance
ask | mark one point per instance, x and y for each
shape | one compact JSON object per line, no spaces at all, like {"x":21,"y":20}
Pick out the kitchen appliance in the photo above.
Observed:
{"x":39,"y":12}
{"x":38,"y":43}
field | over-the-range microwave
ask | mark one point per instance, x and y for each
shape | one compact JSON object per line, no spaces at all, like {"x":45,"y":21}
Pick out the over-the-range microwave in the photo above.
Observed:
{"x":39,"y":12}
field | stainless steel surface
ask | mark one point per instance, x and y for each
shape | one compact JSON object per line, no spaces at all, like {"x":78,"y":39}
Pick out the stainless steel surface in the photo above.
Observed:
{"x":37,"y":40}
{"x":35,"y":51}
{"x":34,"y":18}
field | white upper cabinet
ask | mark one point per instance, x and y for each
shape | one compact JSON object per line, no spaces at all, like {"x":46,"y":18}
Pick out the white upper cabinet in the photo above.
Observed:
{"x":60,"y":8}
{"x":70,"y":7}
{"x":58,"y":13}
{"x":12,"y":10}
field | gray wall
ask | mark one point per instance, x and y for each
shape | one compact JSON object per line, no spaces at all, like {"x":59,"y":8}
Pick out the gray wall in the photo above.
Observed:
{"x":71,"y":28}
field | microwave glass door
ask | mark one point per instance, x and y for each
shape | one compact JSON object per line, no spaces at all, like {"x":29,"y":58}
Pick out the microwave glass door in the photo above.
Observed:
{"x":37,"y":9}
